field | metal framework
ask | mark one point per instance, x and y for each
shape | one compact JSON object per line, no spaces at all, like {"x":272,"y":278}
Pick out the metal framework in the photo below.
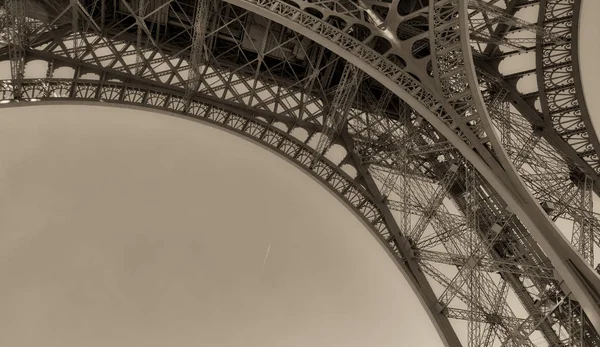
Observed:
{"x":482,"y":193}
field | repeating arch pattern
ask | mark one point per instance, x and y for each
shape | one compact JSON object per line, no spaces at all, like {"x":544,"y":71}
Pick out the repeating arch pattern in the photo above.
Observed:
{"x":560,"y":89}
{"x":426,"y":171}
{"x":351,"y":190}
{"x":368,"y":57}
{"x":259,"y":129}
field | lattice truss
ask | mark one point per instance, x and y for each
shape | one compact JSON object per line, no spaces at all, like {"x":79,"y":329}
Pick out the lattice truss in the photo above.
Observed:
{"x":479,"y":270}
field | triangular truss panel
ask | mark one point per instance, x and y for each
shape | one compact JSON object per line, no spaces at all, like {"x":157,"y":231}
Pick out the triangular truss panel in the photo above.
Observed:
{"x":404,"y":109}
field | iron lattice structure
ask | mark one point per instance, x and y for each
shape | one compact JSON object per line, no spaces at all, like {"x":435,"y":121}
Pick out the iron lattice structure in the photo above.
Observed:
{"x":482,"y":193}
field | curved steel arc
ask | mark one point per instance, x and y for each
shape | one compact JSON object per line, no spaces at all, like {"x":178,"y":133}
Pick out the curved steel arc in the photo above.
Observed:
{"x":411,"y":269}
{"x":559,"y":81}
{"x":454,"y":102}
{"x":589,"y":126}
{"x":574,"y":265}
{"x":579,"y":277}
{"x":370,"y":209}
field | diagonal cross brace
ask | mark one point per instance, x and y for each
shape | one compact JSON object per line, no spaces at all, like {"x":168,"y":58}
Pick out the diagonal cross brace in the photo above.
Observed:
{"x":437,"y":199}
{"x":343,"y":98}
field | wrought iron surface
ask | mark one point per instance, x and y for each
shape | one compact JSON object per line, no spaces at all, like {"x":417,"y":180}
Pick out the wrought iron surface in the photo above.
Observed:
{"x":393,"y":89}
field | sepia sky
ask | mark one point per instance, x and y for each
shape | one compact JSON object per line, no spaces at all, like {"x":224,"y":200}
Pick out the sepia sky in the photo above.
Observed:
{"x":121,"y":227}
{"x":589,"y":52}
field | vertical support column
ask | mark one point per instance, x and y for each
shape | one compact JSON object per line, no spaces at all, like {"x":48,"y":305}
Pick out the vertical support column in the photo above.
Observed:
{"x":199,"y":50}
{"x":574,"y":272}
{"x":434,"y":203}
{"x":583,"y":237}
{"x":138,"y":47}
{"x":16,"y":29}
{"x":473,"y":274}
{"x":409,"y":267}
{"x":75,"y":29}
{"x":335,"y":119}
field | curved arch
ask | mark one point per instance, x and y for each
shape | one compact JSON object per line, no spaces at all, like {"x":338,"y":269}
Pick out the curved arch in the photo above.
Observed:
{"x":559,"y":80}
{"x":356,"y":197}
{"x":332,"y":176}
{"x":593,"y":136}
{"x":267,"y":135}
{"x":471,"y":75}
{"x":427,"y":101}
{"x":578,"y":275}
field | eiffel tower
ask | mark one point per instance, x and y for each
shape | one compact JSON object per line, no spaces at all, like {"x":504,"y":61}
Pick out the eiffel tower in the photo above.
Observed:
{"x":466,"y":180}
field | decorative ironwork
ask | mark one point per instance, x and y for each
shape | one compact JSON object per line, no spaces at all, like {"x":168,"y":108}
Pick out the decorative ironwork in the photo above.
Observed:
{"x":406,"y":93}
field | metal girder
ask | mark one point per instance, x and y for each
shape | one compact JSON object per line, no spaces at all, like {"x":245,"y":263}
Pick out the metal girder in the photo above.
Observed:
{"x":15,"y":31}
{"x":495,"y":15}
{"x":412,"y":269}
{"x":198,"y":51}
{"x":435,"y":201}
{"x":271,"y":86}
{"x":558,"y":65}
{"x":463,"y":314}
{"x":536,"y":119}
{"x":447,"y":233}
{"x":559,"y":17}
{"x":339,"y":108}
{"x":485,"y":264}
{"x":583,"y":237}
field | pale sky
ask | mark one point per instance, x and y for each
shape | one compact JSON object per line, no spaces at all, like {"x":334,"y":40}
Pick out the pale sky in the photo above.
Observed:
{"x":122,"y":227}
{"x":589,"y":53}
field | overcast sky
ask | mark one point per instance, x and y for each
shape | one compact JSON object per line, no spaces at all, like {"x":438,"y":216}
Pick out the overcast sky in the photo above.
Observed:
{"x":589,"y":52}
{"x":121,"y":227}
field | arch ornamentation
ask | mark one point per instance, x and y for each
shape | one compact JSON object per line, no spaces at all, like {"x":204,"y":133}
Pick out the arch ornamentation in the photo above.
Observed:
{"x":352,"y":191}
{"x":559,"y":80}
{"x":464,"y":130}
{"x":498,"y":238}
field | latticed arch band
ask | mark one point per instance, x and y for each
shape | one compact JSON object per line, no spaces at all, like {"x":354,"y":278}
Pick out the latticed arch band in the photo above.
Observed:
{"x":579,"y":276}
{"x":500,"y":232}
{"x":260,"y":131}
{"x":351,"y":191}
